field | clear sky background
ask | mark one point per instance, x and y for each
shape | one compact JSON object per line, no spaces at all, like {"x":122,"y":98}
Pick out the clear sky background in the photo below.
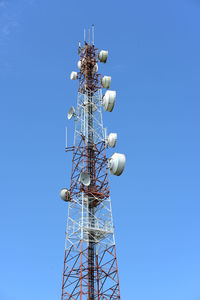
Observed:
{"x":154,"y":61}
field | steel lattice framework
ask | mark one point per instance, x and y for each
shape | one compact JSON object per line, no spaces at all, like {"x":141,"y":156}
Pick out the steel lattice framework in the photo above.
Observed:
{"x":90,"y":264}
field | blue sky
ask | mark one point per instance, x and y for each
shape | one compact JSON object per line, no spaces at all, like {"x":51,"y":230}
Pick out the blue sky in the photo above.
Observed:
{"x":154,"y":61}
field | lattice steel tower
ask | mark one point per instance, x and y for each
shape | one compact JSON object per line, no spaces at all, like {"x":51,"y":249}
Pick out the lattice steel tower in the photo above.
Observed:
{"x":90,"y":264}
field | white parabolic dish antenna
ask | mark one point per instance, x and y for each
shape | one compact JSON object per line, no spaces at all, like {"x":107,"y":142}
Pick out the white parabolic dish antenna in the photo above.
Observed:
{"x":95,"y":69}
{"x":65,"y":194}
{"x":109,"y":100}
{"x":116,"y":164}
{"x":103,"y":55}
{"x":106,"y":81}
{"x":112,"y":140}
{"x":79,"y":64}
{"x":84,"y":178}
{"x":73,"y":75}
{"x":71,"y":113}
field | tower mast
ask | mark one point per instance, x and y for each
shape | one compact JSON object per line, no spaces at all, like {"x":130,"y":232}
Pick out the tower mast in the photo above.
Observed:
{"x":90,"y":263}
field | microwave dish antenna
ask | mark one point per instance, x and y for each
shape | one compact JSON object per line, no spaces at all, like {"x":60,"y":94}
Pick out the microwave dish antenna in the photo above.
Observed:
{"x":103,"y":55}
{"x":71,"y":113}
{"x":116,"y":164}
{"x":112,"y":140}
{"x":109,"y":100}
{"x":106,"y":81}
{"x":73,"y":75}
{"x":84,"y":178}
{"x":65,"y":195}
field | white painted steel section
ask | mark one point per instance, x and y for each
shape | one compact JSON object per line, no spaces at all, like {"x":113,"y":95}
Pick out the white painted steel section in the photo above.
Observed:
{"x":79,"y":228}
{"x":82,"y":115}
{"x":78,"y":224}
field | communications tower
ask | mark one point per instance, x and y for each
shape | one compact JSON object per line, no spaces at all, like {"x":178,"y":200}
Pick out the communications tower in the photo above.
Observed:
{"x":90,"y":264}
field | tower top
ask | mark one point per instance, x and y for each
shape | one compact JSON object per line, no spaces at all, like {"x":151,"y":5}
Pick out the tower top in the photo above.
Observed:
{"x":90,"y":39}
